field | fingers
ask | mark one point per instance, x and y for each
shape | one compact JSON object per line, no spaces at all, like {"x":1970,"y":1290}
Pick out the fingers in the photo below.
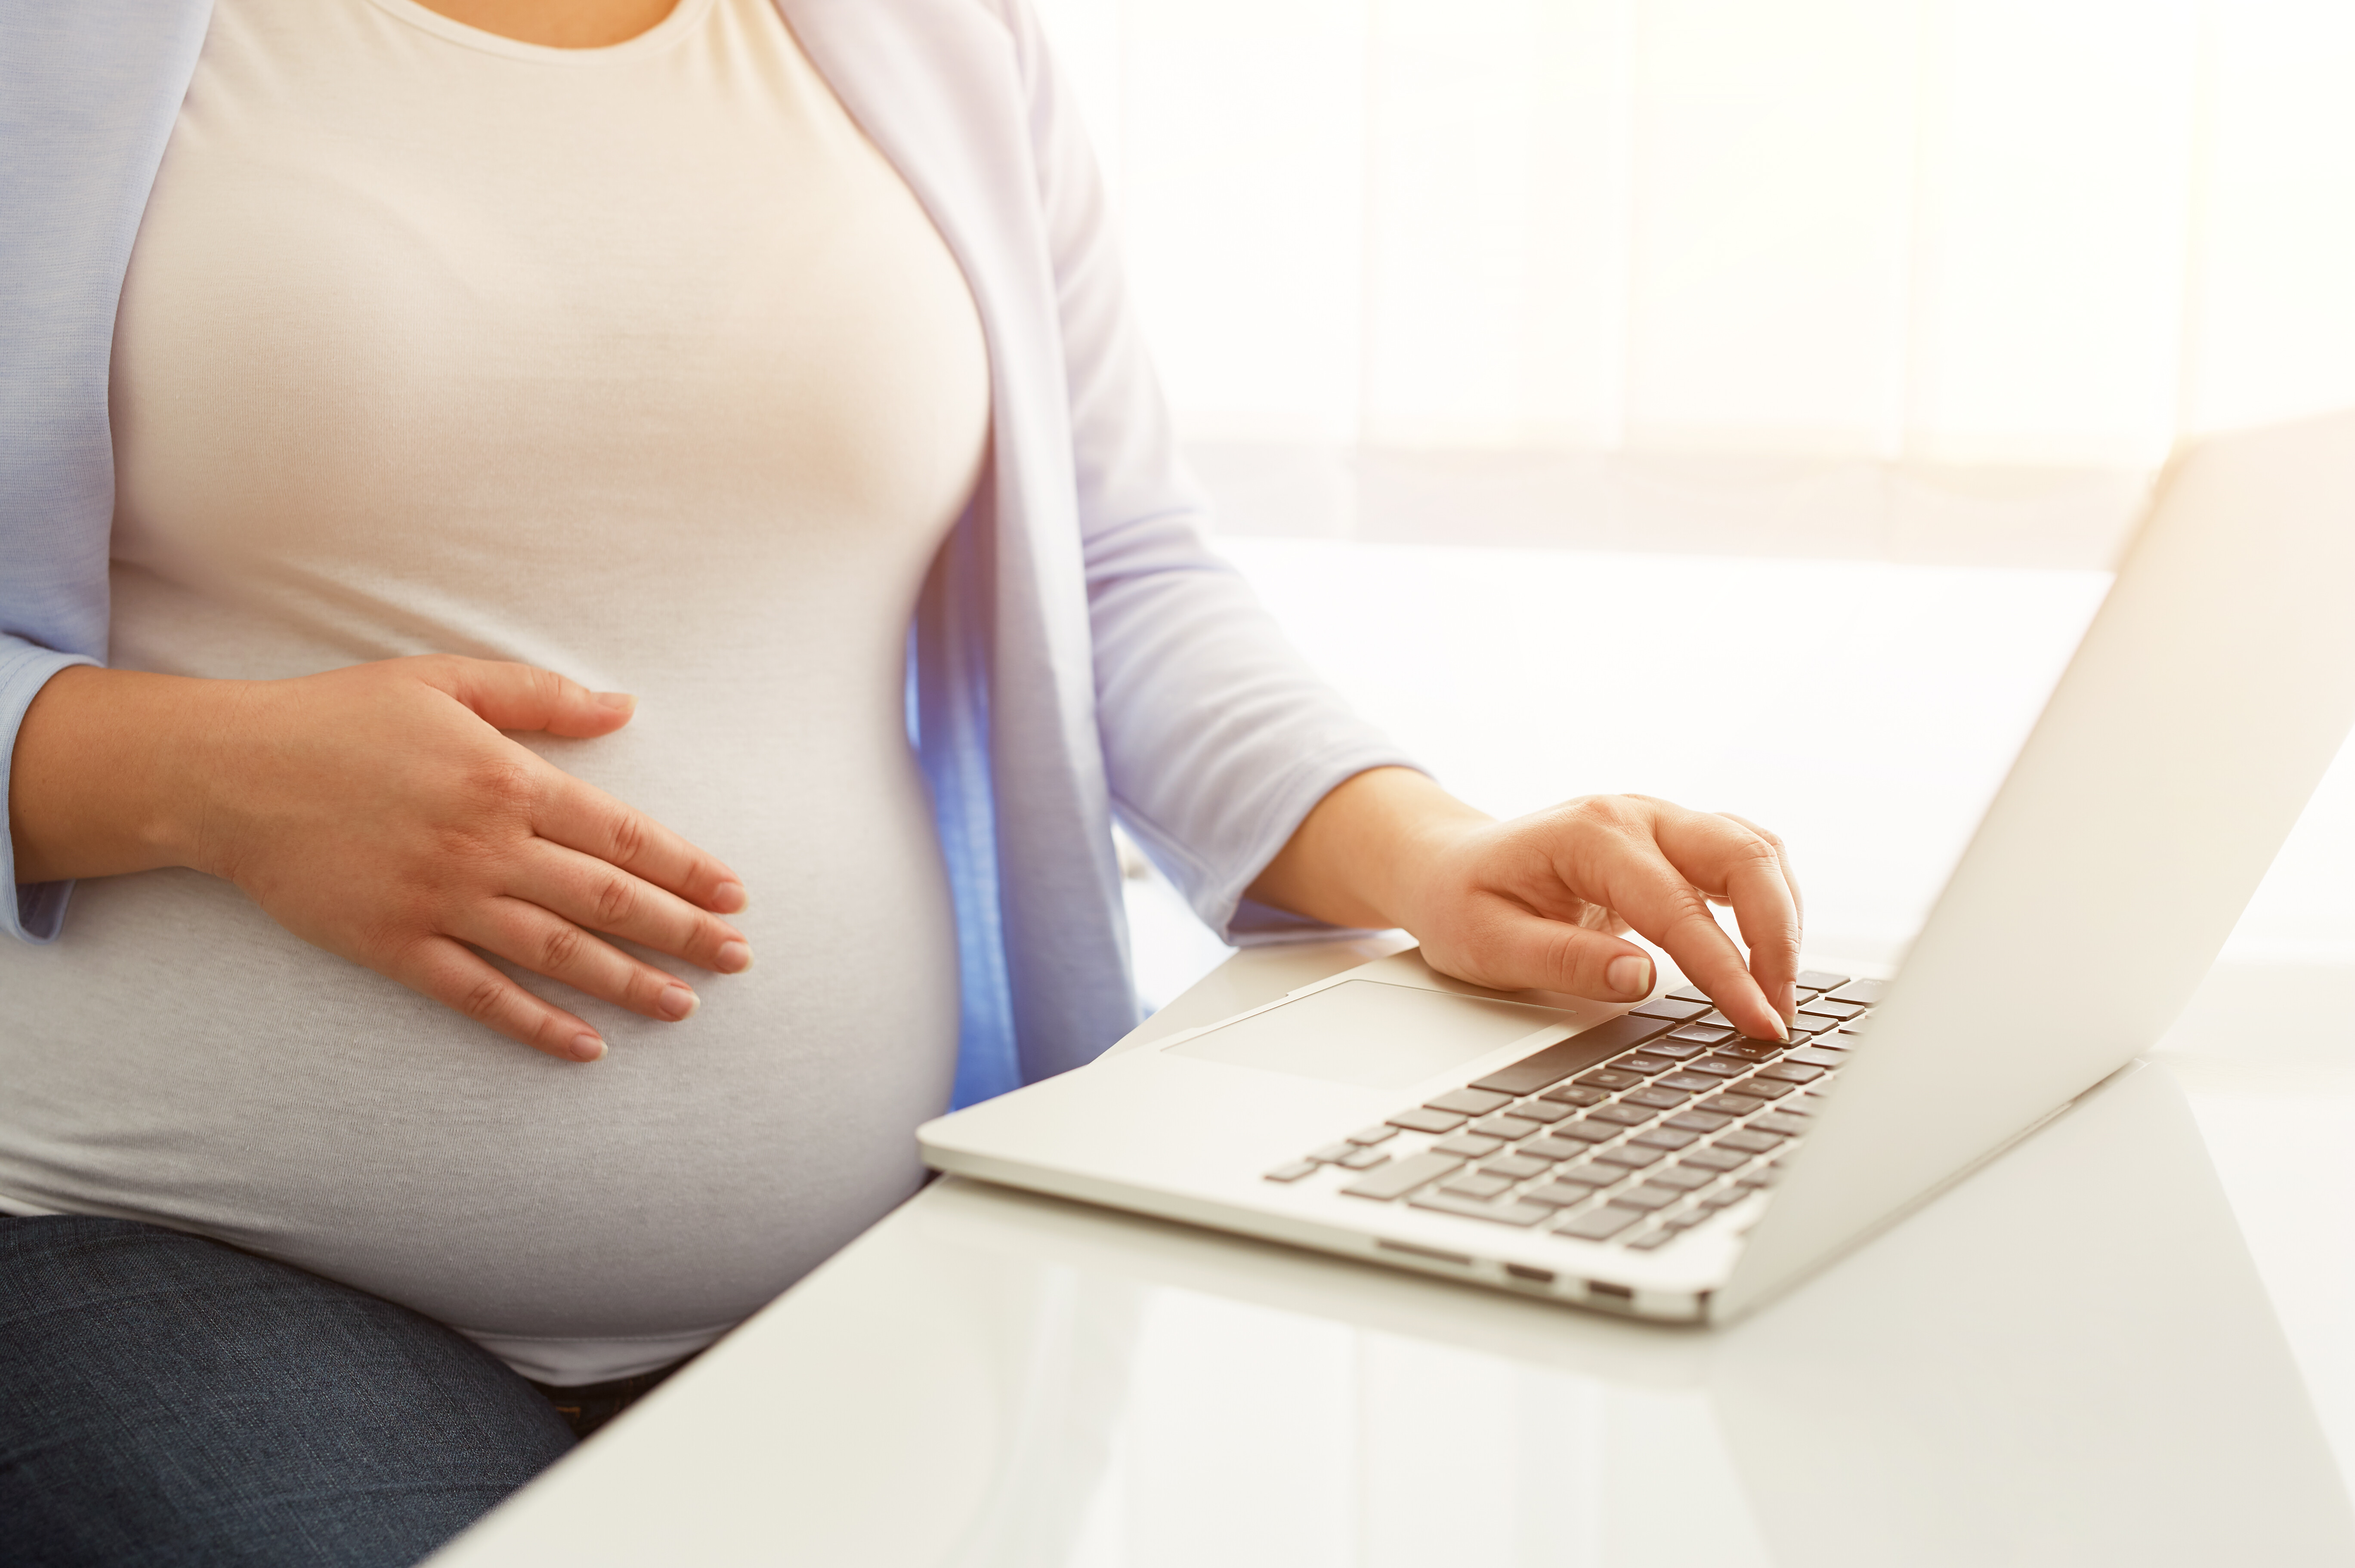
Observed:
{"x":1666,"y":908}
{"x":522,"y":696}
{"x":599,"y":896}
{"x":587,"y":819}
{"x":1780,"y":983}
{"x":1513,"y":950}
{"x":547,"y":944}
{"x":1717,"y":856}
{"x":445,"y":970}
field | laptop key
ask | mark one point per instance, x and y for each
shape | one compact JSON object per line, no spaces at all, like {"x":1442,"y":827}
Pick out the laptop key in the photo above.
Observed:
{"x":1506,"y":1127}
{"x":1868,"y":992}
{"x":1699,"y":1121}
{"x":1633,"y":1156}
{"x":1333,"y":1154}
{"x":1734,"y":1105}
{"x":1600,"y":1224}
{"x":1472,"y":1209}
{"x":1819,"y":1056}
{"x":1515,"y":1168}
{"x":1649,"y":1197}
{"x":1610,"y":1078}
{"x":1718,"y":1067}
{"x":1781,"y":1122}
{"x":1559,"y":1194}
{"x":1592,"y":1175}
{"x":1681,"y":1176}
{"x":1716,"y":1161}
{"x":1423,"y":1119}
{"x":1472,"y":1184}
{"x":1402,"y":1176}
{"x":1701,"y":1034}
{"x":1373,"y":1135}
{"x":1470,"y":1102}
{"x":1821,"y":979}
{"x":1691,"y":994}
{"x":1749,"y":1141}
{"x":1836,"y":1006}
{"x":1293,"y":1172}
{"x":1362,"y":1159}
{"x":1792,"y":1072}
{"x":1623,"y":1114}
{"x":1584,"y":1130}
{"x":1671,"y":1009}
{"x":1550,"y":1149}
{"x":1654,"y":1099}
{"x":1643,"y":1061}
{"x":1575,"y":1094}
{"x":1545,"y":1111}
{"x":1579,"y":1052}
{"x":1763,"y":1087}
{"x":1668,"y":1138}
{"x":1651,"y":1239}
{"x":1468,"y":1145}
{"x":1674,"y":1050}
{"x":1687,"y":1083}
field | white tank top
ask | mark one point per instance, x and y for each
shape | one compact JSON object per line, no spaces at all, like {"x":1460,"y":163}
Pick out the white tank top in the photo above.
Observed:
{"x":639,"y":363}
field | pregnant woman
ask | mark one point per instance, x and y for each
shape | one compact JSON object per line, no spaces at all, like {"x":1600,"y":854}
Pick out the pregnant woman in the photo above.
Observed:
{"x":580,"y":586}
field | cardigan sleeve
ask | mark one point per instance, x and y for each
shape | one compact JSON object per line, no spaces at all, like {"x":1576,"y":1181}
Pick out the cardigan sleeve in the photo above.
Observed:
{"x":1218,"y":737}
{"x":88,"y":93}
{"x":37,"y":911}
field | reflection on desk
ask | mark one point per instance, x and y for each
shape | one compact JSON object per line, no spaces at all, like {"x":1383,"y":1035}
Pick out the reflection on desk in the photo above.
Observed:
{"x":2068,"y":1359}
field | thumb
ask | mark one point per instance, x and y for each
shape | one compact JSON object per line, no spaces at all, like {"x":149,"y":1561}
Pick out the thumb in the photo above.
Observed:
{"x":524,"y":696}
{"x":1517,"y":951}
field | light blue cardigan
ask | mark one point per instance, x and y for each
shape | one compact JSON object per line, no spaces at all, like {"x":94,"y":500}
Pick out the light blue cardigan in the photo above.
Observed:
{"x":1079,"y":649}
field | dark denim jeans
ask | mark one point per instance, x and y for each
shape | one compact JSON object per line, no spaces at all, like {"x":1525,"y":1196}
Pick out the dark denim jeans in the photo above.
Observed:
{"x":170,"y":1401}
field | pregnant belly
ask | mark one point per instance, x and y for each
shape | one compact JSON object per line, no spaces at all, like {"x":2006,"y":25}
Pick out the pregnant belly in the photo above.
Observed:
{"x":180,"y":1058}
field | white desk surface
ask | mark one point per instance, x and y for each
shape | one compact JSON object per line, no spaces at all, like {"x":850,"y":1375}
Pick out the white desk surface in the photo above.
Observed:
{"x":2131,"y":1340}
{"x":2125,"y":1342}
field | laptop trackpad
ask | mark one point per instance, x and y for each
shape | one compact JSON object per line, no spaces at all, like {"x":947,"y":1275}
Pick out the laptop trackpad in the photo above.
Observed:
{"x":1370,"y":1034}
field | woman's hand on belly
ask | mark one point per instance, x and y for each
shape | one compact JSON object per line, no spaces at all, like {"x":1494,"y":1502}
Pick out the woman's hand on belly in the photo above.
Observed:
{"x":378,"y":812}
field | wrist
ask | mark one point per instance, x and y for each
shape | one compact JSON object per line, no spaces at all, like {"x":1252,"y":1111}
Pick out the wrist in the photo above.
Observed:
{"x":1369,"y":851}
{"x":1414,"y":834}
{"x":196,"y":728}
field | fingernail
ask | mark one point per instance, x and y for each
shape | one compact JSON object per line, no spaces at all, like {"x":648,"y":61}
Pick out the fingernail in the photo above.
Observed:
{"x":675,"y":1002}
{"x":619,"y":701}
{"x":587,"y":1048}
{"x":728,"y":897}
{"x":733,"y":957}
{"x":1629,"y":976}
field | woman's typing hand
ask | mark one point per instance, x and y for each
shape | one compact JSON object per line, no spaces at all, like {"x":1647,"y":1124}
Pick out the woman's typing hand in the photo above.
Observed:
{"x":1542,"y":901}
{"x":378,"y":812}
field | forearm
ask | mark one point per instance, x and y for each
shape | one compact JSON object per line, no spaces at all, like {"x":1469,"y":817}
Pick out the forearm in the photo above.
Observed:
{"x":1352,"y":860}
{"x":99,"y":782}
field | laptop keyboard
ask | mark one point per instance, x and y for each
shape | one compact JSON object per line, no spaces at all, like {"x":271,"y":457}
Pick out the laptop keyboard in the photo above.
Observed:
{"x":1631,"y":1133}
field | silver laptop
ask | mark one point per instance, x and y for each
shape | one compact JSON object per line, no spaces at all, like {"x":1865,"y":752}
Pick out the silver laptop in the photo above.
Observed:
{"x":1651,"y":1161}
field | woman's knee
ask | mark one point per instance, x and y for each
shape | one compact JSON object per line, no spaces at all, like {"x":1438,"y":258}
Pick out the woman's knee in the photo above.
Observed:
{"x":168,"y":1399}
